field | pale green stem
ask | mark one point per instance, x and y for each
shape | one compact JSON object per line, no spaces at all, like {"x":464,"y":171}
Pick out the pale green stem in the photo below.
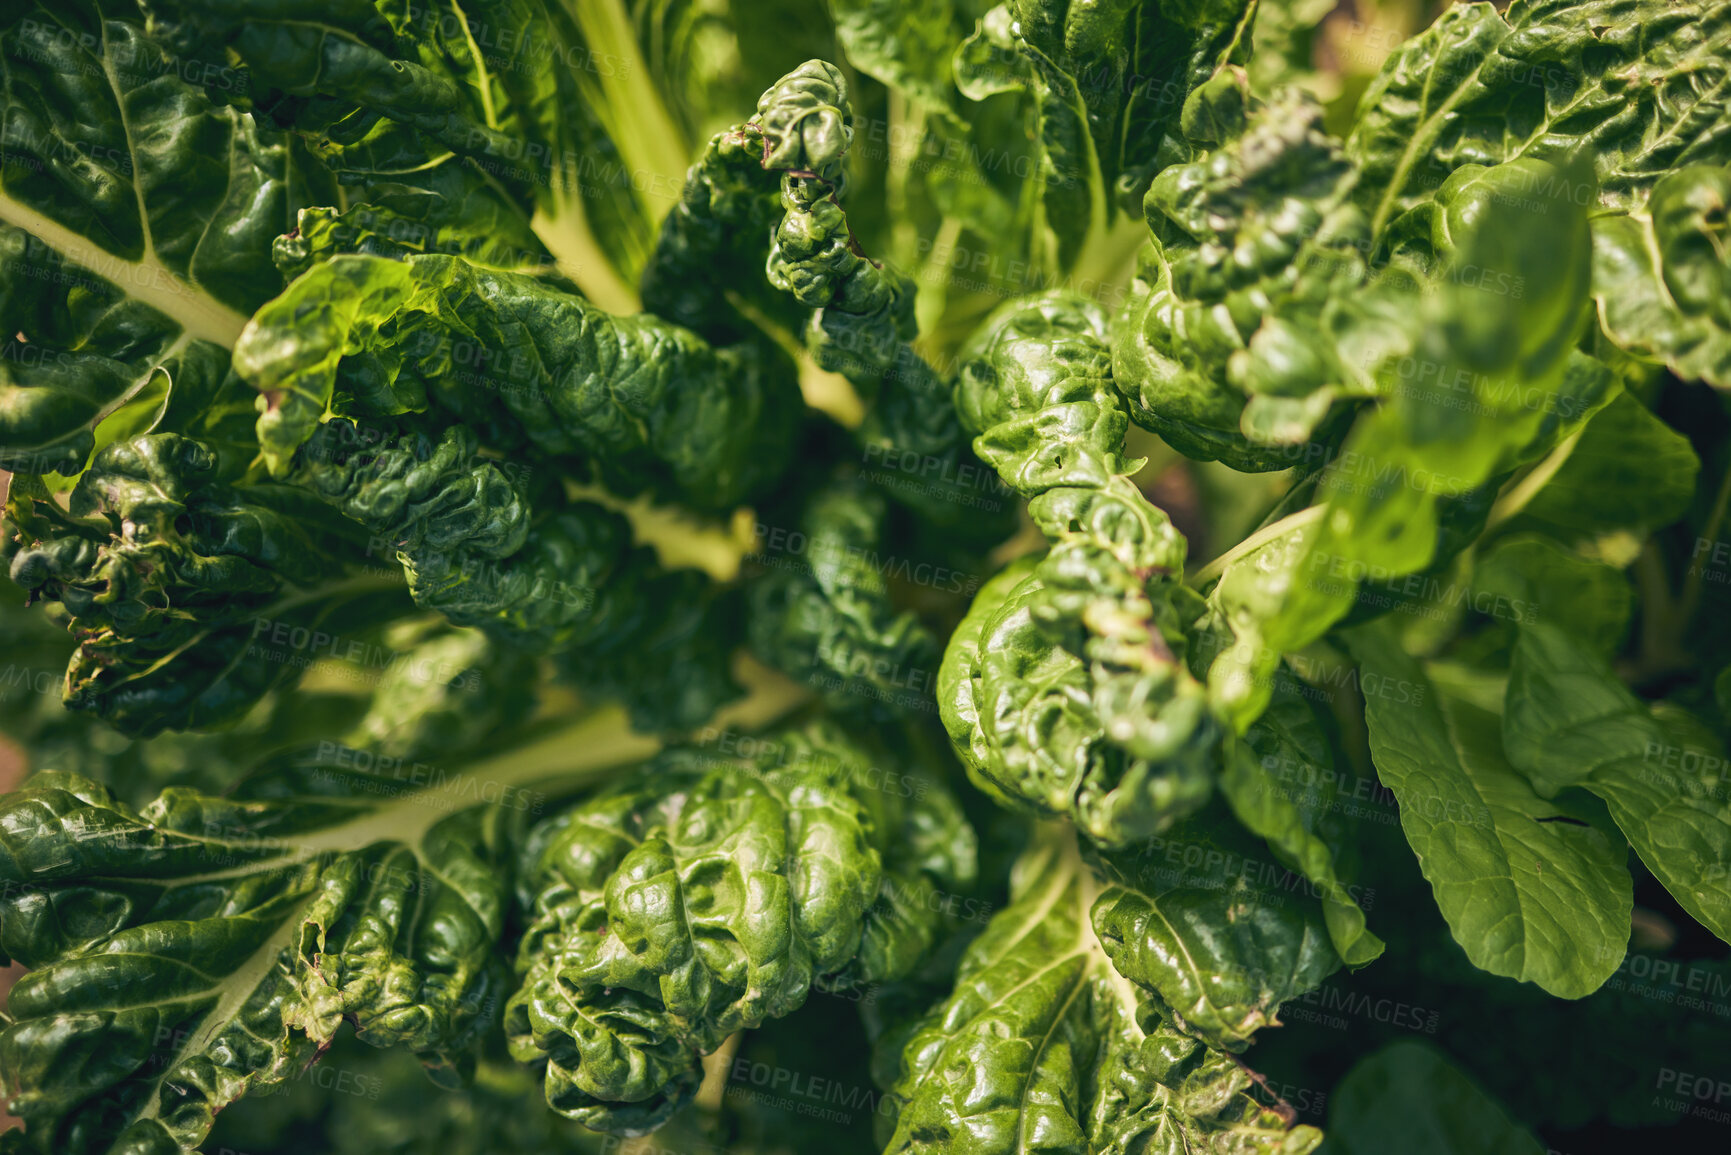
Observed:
{"x":580,"y":256}
{"x":1517,"y":497}
{"x":1691,"y":599}
{"x":827,"y":392}
{"x":679,"y":538}
{"x":584,"y":751}
{"x":637,"y":119}
{"x":196,"y":311}
{"x":1268,"y":533}
{"x":933,"y":284}
{"x":906,"y":132}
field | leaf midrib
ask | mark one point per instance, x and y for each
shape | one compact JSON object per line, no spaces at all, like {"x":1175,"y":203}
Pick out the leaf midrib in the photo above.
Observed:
{"x":1421,"y":140}
{"x":199,"y":314}
{"x":234,"y":990}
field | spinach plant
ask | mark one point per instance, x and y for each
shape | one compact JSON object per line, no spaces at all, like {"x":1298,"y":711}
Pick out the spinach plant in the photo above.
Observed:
{"x":658,"y":575}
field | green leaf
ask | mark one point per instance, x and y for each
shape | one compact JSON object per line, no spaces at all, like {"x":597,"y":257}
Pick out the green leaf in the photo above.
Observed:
{"x":377,"y":336}
{"x":1662,"y":275}
{"x":1614,"y":81}
{"x":1287,"y":741}
{"x":129,"y":257}
{"x":1042,"y":1044}
{"x":861,"y":316}
{"x":568,"y":581}
{"x":448,"y":211}
{"x":1285,"y":37}
{"x":1408,"y":1097}
{"x":708,"y":896}
{"x":88,"y":365}
{"x":35,"y":721}
{"x":1213,"y":931}
{"x":1069,"y":692}
{"x":1041,"y":725}
{"x":1532,"y":889}
{"x":1570,"y":722}
{"x":200,"y":947}
{"x":1538,"y":580}
{"x":1628,"y":471}
{"x":1478,"y":385}
{"x":185,"y":218}
{"x":1107,"y":82}
{"x":1237,"y":339}
{"x":551,"y":104}
{"x":169,"y":575}
{"x":935,"y":159}
{"x":824,"y":617}
{"x":906,"y":46}
{"x":358,"y":1100}
{"x":1176,"y":49}
{"x":452,"y":690}
{"x":705,"y":270}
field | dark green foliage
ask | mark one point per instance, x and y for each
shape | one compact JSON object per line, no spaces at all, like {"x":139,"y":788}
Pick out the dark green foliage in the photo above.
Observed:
{"x":1059,"y":585}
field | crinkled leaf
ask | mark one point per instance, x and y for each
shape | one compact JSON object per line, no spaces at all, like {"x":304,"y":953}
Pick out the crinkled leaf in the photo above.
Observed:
{"x":861,"y":317}
{"x":448,"y":211}
{"x":1662,"y":275}
{"x":550,"y":103}
{"x":1043,"y":1045}
{"x":1068,"y":690}
{"x":1217,"y":935}
{"x":168,"y":576}
{"x":189,"y":951}
{"x":1637,"y":87}
{"x":824,"y":616}
{"x":1238,"y":336}
{"x":634,"y":395}
{"x":1108,"y":82}
{"x":1487,"y":384}
{"x":1029,"y":719}
{"x":721,"y":225}
{"x":129,"y":256}
{"x":571,"y":582}
{"x":707,"y":896}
